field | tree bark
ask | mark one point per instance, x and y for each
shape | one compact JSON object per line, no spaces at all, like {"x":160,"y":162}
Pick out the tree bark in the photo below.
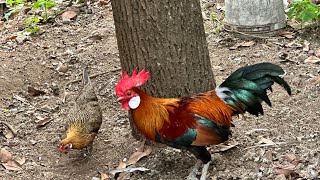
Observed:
{"x":167,"y":38}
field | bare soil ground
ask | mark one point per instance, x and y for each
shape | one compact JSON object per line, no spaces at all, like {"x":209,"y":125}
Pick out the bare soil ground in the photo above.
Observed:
{"x":292,"y":123}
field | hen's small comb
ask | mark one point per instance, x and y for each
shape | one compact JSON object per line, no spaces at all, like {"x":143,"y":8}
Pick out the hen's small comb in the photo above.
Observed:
{"x":127,"y":82}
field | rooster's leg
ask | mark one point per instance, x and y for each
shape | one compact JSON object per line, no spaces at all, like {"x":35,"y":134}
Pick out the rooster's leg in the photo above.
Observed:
{"x":204,"y":171}
{"x":194,"y":171}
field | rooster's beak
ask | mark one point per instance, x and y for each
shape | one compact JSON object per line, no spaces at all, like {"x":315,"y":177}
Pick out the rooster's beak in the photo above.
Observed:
{"x":120,"y":99}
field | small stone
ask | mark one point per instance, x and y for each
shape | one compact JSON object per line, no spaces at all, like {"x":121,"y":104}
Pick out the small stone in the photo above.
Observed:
{"x":33,"y":142}
{"x":68,"y":16}
{"x":62,"y":68}
{"x":22,"y":38}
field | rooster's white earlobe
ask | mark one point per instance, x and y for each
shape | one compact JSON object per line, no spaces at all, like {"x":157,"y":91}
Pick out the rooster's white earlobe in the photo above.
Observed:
{"x":134,"y":102}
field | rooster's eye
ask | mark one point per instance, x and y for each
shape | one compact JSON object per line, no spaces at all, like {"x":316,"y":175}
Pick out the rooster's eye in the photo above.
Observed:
{"x":128,"y":93}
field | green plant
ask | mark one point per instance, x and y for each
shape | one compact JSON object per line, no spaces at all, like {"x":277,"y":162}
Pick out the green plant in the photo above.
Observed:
{"x":14,"y":7}
{"x":45,"y":5}
{"x":40,"y":12}
{"x":304,"y":11}
{"x":32,"y":24}
{"x":217,"y":20}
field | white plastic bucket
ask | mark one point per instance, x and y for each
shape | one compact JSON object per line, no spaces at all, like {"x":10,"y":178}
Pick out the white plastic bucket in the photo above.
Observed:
{"x":254,"y":16}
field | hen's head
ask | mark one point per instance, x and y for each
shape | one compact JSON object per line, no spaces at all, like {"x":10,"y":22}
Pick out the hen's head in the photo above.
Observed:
{"x":124,"y":92}
{"x":65,"y":148}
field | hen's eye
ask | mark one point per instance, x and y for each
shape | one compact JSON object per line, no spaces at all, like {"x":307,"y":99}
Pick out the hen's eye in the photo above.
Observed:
{"x":129,"y":93}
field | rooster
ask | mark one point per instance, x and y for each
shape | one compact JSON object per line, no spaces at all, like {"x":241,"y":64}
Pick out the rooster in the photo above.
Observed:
{"x":193,"y":122}
{"x":84,"y":120}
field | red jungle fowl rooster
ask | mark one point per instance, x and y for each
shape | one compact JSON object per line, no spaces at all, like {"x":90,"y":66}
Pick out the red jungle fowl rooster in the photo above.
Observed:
{"x":84,"y":120}
{"x":195,"y":121}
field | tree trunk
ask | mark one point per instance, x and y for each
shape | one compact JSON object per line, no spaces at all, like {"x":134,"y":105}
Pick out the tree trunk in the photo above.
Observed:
{"x":167,"y":38}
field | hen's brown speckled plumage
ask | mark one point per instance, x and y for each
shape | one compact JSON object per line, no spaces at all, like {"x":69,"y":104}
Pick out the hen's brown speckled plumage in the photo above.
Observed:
{"x":84,"y":119}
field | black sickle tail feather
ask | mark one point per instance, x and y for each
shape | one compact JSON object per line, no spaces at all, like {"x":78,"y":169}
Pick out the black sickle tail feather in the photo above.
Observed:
{"x":247,"y":87}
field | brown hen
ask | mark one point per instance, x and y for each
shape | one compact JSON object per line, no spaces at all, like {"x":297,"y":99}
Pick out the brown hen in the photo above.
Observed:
{"x":83,"y":121}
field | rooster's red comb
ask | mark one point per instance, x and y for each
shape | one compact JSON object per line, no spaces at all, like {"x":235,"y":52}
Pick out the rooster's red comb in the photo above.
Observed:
{"x":127,"y":82}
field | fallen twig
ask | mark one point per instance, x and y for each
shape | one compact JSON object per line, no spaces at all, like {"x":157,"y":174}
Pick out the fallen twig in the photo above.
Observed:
{"x":129,"y":170}
{"x":14,"y":132}
{"x":271,"y":144}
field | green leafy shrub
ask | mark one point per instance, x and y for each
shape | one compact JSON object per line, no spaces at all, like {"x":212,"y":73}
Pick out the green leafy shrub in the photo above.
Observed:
{"x":304,"y":11}
{"x":40,"y":12}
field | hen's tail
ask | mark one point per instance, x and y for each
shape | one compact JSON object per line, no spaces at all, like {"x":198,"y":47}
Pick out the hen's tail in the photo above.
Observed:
{"x":247,"y":87}
{"x":87,"y":94}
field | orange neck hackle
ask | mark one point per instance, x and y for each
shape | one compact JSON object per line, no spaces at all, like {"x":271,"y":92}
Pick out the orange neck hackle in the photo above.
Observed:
{"x":152,"y":113}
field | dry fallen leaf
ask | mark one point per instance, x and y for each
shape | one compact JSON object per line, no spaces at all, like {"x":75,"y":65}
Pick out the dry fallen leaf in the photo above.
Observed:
{"x":34,"y":92}
{"x":242,"y":44}
{"x":263,"y":140}
{"x":68,"y":15}
{"x":290,"y":157}
{"x":95,"y":38}
{"x":287,"y":34}
{"x":247,"y":44}
{"x":21,"y":161}
{"x":122,"y":165}
{"x":43,"y":122}
{"x":306,"y":45}
{"x":269,"y":155}
{"x":124,"y":176}
{"x":315,"y":80}
{"x":9,"y":135}
{"x":11,"y":38}
{"x":136,"y":156}
{"x":287,"y":171}
{"x":312,"y":60}
{"x":104,"y":176}
{"x":116,"y":171}
{"x":5,"y":155}
{"x":225,"y":147}
{"x":293,"y":45}
{"x":317,"y":53}
{"x":12,"y":165}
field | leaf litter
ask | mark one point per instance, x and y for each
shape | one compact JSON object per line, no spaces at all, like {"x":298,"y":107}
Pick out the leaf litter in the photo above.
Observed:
{"x":124,"y":167}
{"x":225,"y":146}
{"x":312,"y":60}
{"x":242,"y":44}
{"x":7,"y":161}
{"x":287,"y":34}
{"x":43,"y":122}
{"x":35,"y":92}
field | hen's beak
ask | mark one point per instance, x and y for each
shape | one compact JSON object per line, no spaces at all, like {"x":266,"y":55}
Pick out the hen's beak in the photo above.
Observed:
{"x":120,"y":99}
